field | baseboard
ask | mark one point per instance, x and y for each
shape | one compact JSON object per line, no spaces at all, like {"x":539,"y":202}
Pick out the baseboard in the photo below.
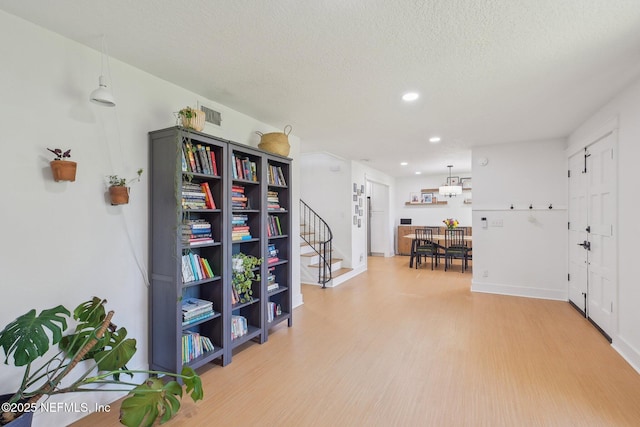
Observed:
{"x":627,"y":351}
{"x":519,"y":291}
{"x":296,"y":300}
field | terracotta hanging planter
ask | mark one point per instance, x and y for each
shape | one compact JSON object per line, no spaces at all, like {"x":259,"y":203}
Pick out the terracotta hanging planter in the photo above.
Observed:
{"x":119,"y":195}
{"x":63,"y":170}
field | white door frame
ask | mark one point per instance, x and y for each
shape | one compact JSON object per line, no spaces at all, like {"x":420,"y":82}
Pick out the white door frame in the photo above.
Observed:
{"x":608,"y":326}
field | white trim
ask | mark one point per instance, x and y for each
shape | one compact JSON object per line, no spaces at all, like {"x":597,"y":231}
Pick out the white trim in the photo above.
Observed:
{"x":627,"y":351}
{"x":519,"y":291}
{"x":591,"y":136}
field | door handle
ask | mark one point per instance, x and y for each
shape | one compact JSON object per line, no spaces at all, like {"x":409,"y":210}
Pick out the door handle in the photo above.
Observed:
{"x":586,"y":245}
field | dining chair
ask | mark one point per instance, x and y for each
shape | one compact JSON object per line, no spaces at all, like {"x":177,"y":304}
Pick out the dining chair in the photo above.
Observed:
{"x":455,"y":248}
{"x":426,"y":247}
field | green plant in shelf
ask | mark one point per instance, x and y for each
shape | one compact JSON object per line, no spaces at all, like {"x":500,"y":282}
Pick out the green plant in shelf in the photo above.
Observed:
{"x":117,"y":181}
{"x":105,"y":350}
{"x":244,"y":274}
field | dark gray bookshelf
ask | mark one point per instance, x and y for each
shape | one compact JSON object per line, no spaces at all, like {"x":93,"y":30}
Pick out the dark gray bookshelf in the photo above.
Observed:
{"x":167,"y":247}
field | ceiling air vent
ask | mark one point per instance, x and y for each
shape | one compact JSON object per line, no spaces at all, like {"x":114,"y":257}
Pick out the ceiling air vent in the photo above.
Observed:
{"x":211,"y":116}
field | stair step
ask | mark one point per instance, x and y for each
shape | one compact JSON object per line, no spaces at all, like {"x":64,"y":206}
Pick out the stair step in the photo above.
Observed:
{"x":310,"y":254}
{"x":333,"y":261}
{"x":340,"y":272}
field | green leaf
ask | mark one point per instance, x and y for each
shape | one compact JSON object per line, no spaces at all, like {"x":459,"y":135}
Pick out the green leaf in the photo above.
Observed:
{"x":150,"y":400}
{"x":193,"y":383}
{"x":91,"y":312}
{"x":26,"y":337}
{"x":116,"y":352}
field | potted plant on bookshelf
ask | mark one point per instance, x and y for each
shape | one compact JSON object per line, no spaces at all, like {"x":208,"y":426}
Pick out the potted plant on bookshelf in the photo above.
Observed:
{"x":119,"y":188}
{"x":62,"y":169}
{"x":192,"y":118}
{"x":104,"y":350}
{"x":244,"y":274}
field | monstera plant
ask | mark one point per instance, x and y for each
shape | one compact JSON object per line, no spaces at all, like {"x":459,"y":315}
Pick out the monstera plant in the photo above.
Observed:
{"x":27,"y":342}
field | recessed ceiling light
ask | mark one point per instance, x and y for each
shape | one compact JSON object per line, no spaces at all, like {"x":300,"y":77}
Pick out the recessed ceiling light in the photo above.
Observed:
{"x":410,"y":96}
{"x":434,"y":139}
{"x":418,"y":173}
{"x":404,"y":164}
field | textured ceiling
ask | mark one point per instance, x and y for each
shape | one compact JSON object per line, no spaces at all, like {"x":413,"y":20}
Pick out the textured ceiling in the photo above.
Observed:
{"x":487,"y":71}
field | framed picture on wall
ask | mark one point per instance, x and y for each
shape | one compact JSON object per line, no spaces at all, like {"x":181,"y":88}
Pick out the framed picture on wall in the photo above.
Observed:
{"x":356,"y":210}
{"x":453,"y":180}
{"x":427,"y":198}
{"x":360,"y":202}
{"x":414,"y":197}
{"x":355,"y":220}
{"x":359,"y":223}
{"x":355,"y":187}
{"x":355,"y":197}
{"x":362,"y":189}
{"x":465,"y":182}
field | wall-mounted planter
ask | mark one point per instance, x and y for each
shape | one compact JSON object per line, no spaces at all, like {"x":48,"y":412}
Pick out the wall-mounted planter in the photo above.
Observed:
{"x":119,"y":195}
{"x":63,"y":170}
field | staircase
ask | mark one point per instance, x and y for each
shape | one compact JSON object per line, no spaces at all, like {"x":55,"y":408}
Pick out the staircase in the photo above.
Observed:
{"x":318,"y":265}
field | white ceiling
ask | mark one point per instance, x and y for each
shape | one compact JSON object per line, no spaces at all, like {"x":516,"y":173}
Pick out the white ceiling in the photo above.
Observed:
{"x":489,"y":71}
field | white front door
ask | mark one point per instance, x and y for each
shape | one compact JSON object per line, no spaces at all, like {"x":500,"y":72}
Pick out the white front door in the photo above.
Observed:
{"x":592,"y":248}
{"x":601,"y":182}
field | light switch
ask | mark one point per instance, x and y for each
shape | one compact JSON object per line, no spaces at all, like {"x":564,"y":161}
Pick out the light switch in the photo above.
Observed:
{"x":496,"y":223}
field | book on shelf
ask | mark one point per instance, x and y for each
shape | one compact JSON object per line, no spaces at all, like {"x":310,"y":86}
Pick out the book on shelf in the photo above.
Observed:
{"x":212,"y":159}
{"x":273,"y":226}
{"x":196,"y":232}
{"x":239,"y":326}
{"x":275,"y":176}
{"x":273,"y":310}
{"x":194,"y":345}
{"x":195,"y":268}
{"x":210,"y":203}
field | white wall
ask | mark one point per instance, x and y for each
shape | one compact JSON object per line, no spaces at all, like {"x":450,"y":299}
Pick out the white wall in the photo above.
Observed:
{"x":63,"y":242}
{"x":431,"y":215}
{"x":327,"y":186}
{"x":624,"y":112}
{"x":527,"y":255}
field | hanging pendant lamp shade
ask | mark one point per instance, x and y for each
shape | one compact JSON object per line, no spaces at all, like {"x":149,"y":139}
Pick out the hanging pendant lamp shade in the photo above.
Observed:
{"x":102,"y":95}
{"x":450,"y":190}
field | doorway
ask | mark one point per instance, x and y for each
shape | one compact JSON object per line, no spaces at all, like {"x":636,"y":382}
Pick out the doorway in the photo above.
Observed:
{"x":377,"y":219}
{"x":592,"y":232}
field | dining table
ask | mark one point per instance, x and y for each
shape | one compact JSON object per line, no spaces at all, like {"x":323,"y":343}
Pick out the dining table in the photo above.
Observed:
{"x":437,"y":239}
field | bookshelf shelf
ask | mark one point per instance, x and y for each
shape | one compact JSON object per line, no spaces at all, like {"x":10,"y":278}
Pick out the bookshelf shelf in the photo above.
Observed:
{"x":179,"y":214}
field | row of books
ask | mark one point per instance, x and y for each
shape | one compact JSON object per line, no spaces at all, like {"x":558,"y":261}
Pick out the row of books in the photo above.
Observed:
{"x":272,"y":253}
{"x":275,"y":176}
{"x":272,"y":285}
{"x":240,"y":230}
{"x":198,"y":159}
{"x":196,"y":232}
{"x":197,"y":196}
{"x":244,"y":168}
{"x":239,"y":199}
{"x":194,"y":268}
{"x":196,"y":309}
{"x":273,"y":310}
{"x":239,"y":326}
{"x":273,"y":201}
{"x":273,"y":226}
{"x":194,"y":345}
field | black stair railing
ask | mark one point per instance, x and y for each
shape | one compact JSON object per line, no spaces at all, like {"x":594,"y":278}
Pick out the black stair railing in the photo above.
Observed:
{"x":316,"y":232}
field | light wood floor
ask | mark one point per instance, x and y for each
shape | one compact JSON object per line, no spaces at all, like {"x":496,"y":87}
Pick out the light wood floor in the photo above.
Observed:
{"x":404,"y":347}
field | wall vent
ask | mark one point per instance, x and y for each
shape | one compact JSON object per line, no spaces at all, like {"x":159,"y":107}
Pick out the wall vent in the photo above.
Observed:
{"x":211,"y":116}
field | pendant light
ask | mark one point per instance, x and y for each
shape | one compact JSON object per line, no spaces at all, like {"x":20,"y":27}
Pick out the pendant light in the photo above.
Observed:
{"x":450,"y":190}
{"x":102,"y":95}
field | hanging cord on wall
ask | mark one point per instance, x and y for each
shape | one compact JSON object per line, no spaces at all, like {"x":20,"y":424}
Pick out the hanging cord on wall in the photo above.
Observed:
{"x":125,"y":217}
